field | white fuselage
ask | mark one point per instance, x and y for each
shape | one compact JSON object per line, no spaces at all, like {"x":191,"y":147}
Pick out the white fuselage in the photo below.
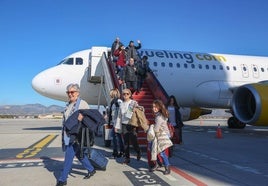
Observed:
{"x":196,"y":79}
{"x":202,"y":79}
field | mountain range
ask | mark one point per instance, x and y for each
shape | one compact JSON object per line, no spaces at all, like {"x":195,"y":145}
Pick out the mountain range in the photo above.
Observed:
{"x":37,"y":109}
{"x":29,"y":109}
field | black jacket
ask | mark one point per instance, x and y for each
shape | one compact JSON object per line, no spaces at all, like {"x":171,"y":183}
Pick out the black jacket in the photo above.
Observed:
{"x":129,"y":74}
{"x":178,"y":118}
{"x":92,"y":118}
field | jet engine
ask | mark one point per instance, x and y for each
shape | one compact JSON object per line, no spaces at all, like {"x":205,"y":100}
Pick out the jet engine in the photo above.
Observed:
{"x":250,"y":104}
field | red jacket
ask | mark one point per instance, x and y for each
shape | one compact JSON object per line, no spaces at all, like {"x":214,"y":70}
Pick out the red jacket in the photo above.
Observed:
{"x":121,"y":57}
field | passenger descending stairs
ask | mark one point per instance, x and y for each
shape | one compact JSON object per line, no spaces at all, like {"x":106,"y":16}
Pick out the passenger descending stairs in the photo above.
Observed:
{"x":151,"y":90}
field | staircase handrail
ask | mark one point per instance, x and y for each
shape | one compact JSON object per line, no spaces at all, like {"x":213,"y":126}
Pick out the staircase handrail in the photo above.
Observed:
{"x":112,"y":72}
{"x":156,"y":88}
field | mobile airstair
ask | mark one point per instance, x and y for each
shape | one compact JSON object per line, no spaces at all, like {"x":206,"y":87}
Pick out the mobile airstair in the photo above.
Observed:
{"x":102,"y":72}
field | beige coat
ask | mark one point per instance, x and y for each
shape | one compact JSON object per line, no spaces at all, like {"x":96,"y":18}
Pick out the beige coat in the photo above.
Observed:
{"x":139,"y":119}
{"x":159,"y":144}
{"x":162,"y":140}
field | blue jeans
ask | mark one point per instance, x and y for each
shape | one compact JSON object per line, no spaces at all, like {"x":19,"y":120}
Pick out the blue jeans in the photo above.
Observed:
{"x":165,"y":158}
{"x":71,"y":151}
{"x":117,"y":140}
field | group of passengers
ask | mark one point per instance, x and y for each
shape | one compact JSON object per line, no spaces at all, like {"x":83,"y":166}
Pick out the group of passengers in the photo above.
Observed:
{"x":130,"y":68}
{"x":122,"y":113}
{"x":132,"y":72}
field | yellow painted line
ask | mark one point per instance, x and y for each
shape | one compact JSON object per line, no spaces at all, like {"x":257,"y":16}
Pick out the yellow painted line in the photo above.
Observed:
{"x":45,"y":141}
{"x":33,"y":150}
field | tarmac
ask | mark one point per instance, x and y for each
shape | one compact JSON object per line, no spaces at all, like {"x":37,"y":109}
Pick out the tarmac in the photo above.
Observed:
{"x":30,"y":154}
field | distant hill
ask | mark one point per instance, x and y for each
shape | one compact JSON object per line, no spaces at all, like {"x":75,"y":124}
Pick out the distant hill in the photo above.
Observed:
{"x":37,"y":109}
{"x":29,"y":109}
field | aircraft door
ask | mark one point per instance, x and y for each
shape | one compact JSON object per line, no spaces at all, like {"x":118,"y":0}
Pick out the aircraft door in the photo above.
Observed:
{"x":245,"y":72}
{"x":255,"y":71}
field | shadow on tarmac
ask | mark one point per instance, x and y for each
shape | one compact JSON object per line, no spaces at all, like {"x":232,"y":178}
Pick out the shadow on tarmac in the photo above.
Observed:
{"x":44,"y":128}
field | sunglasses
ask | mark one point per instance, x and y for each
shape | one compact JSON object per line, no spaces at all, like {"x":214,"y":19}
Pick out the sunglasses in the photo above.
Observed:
{"x":70,"y":92}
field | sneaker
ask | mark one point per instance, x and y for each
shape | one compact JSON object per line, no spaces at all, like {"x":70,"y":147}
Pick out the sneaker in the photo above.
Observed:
{"x":154,"y":168}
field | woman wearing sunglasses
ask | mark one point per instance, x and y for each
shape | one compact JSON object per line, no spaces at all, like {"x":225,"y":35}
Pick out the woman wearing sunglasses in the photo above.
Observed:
{"x":72,"y":148}
{"x":127,"y":107}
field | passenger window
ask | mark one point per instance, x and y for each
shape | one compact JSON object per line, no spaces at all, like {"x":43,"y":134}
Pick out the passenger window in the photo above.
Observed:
{"x":207,"y":66}
{"x":221,"y":67}
{"x":163,"y":64}
{"x":255,"y":69}
{"x":214,"y":67}
{"x":155,"y":64}
{"x":178,"y":65}
{"x":199,"y":66}
{"x":227,"y":67}
{"x":262,"y":69}
{"x":234,"y":68}
{"x":79,"y":61}
{"x":185,"y":65}
{"x":192,"y":65}
{"x":170,"y":65}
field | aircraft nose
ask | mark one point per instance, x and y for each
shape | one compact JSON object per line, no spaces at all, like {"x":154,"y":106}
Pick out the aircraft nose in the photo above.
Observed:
{"x":38,"y":83}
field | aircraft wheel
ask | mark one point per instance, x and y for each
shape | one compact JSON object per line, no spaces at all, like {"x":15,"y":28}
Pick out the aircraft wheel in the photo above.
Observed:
{"x":241,"y":125}
{"x":231,"y":122}
{"x":235,"y":123}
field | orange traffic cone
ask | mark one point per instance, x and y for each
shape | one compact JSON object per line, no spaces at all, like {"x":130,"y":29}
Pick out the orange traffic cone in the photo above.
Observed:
{"x":219,"y":132}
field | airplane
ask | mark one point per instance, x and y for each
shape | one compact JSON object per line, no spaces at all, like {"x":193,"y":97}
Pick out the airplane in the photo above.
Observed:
{"x":236,"y":83}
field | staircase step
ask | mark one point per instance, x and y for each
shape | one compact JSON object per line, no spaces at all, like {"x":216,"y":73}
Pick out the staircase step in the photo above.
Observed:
{"x":142,"y":141}
{"x":145,"y":98}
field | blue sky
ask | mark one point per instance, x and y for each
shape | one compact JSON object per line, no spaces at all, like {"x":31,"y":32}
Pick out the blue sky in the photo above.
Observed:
{"x":36,"y":35}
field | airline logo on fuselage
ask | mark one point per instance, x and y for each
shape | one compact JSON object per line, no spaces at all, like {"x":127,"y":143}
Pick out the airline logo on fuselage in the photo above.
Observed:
{"x":188,"y":57}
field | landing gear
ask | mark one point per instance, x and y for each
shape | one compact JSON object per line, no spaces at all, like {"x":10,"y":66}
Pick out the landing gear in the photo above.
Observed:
{"x":235,"y":123}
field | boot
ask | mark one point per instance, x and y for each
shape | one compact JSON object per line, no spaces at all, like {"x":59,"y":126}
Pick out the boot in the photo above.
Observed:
{"x":167,"y":170}
{"x":154,"y":167}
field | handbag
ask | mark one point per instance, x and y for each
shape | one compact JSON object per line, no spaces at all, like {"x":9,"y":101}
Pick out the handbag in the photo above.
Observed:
{"x":150,"y":133}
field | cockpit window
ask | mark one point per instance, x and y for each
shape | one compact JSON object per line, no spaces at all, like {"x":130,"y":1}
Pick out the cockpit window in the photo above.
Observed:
{"x":68,"y":61}
{"x":79,"y":61}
